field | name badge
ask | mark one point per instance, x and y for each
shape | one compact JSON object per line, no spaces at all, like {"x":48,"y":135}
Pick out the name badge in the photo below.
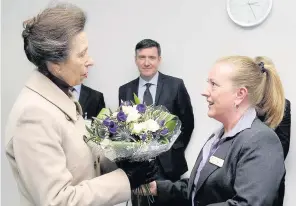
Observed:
{"x":216,"y":161}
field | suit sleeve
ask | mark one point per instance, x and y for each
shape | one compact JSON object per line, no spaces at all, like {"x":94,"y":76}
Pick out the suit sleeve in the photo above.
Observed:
{"x":284,"y":129}
{"x":185,"y":114}
{"x":42,"y":164}
{"x":174,"y":192}
{"x":259,"y":173}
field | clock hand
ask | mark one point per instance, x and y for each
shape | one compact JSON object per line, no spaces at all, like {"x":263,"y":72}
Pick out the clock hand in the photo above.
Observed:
{"x":252,"y":11}
{"x":253,"y":3}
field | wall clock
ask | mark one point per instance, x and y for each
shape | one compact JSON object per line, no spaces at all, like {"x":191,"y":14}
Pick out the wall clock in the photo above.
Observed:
{"x":248,"y":13}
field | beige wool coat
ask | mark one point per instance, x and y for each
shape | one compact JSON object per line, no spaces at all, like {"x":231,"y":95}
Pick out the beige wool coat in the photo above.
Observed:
{"x":51,"y":163}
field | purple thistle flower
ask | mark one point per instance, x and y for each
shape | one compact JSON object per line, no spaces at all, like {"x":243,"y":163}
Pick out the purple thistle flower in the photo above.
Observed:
{"x":106,"y":122}
{"x":161,"y":123}
{"x":141,"y":108}
{"x":112,"y":127}
{"x":121,"y":116}
{"x":164,"y":132}
{"x":144,"y":136}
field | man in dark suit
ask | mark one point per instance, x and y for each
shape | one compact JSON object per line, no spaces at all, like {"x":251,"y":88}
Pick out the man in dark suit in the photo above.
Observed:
{"x":153,"y":87}
{"x":91,"y":101}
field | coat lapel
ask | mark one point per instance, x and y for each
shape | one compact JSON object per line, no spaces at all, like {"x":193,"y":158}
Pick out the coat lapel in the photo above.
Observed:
{"x":159,"y":87}
{"x":209,"y":168}
{"x":193,"y":174}
{"x":194,"y":170}
{"x":52,"y":93}
{"x":77,"y":104}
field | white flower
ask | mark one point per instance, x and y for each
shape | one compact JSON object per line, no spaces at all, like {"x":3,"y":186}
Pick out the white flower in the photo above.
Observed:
{"x":134,"y":116}
{"x":138,"y":128}
{"x":129,"y":109}
{"x":114,"y":114}
{"x":151,"y":125}
{"x":131,"y":112}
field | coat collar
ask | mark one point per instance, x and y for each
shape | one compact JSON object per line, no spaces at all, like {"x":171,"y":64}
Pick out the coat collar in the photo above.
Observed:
{"x":42,"y":85}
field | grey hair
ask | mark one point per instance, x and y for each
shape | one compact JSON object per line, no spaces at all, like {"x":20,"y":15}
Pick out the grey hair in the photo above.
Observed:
{"x":47,"y":36}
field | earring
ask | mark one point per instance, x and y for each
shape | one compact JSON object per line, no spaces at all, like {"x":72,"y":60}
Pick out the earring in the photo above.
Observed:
{"x":235,"y":106}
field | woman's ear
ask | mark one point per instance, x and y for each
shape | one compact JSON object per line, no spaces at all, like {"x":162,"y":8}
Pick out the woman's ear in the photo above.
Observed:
{"x":54,"y":68}
{"x":241,"y":94}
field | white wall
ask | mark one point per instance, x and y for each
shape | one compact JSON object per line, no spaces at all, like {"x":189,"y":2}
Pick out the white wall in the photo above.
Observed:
{"x":192,"y":33}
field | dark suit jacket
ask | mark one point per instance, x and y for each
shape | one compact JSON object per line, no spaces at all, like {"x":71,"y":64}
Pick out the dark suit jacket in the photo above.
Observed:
{"x":252,"y":173}
{"x":171,"y":93}
{"x":284,"y":129}
{"x":91,"y":101}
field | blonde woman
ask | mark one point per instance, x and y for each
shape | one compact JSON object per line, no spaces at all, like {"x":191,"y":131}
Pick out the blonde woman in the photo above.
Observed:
{"x":242,"y":163}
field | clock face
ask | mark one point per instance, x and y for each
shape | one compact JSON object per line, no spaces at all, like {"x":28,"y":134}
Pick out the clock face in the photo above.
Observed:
{"x":248,"y":13}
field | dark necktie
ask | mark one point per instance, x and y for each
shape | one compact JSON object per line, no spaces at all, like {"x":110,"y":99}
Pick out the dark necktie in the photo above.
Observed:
{"x":147,"y":95}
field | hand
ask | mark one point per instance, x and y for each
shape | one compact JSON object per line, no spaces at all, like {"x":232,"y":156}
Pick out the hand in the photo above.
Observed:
{"x":153,"y":188}
{"x":143,"y":191}
{"x":139,"y":173}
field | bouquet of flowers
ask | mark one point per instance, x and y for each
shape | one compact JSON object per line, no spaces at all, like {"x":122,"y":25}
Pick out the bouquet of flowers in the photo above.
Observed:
{"x":134,"y":132}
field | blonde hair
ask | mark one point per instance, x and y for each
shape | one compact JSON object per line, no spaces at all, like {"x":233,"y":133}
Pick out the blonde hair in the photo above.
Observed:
{"x":264,"y":86}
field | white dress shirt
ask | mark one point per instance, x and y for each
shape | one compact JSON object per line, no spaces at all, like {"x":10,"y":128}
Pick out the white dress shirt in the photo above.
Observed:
{"x":76,"y":91}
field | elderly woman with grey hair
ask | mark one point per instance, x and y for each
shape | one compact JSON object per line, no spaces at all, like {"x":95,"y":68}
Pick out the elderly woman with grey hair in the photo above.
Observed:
{"x":50,"y":161}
